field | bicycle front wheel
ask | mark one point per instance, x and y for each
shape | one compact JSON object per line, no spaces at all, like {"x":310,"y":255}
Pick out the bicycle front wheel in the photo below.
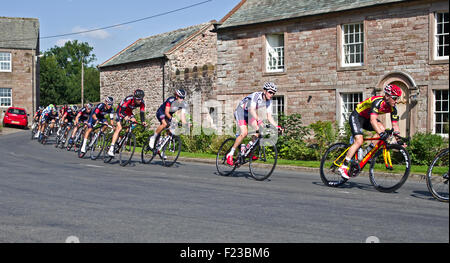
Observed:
{"x":389,"y":168}
{"x":329,"y":165}
{"x":127,"y":150}
{"x":262,"y":161}
{"x":97,"y":146}
{"x":437,"y":176}
{"x":221,"y":159}
{"x":171,"y":151}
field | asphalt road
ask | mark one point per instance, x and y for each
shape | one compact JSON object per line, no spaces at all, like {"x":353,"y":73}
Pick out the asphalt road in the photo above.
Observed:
{"x":48,"y":195}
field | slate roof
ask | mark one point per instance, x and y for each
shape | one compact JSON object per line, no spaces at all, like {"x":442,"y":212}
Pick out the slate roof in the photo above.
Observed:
{"x":19,"y":33}
{"x":154,"y":46}
{"x":260,"y":11}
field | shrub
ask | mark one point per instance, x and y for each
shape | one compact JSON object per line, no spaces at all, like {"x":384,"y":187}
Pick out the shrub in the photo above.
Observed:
{"x":424,"y":146}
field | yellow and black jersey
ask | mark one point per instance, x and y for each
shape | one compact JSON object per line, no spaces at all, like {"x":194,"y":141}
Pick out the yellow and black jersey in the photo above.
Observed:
{"x":376,"y":105}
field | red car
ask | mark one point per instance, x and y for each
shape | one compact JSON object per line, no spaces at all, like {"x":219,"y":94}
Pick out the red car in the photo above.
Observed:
{"x":15,"y":116}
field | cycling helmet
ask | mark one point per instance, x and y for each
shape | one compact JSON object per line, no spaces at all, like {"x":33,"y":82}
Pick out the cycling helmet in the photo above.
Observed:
{"x":51,"y":106}
{"x":109,"y":100}
{"x":270,"y":86}
{"x":74,"y":107}
{"x":393,"y":90}
{"x":41,"y":108}
{"x":180,"y":93}
{"x":89,"y":106}
{"x":139,"y":94}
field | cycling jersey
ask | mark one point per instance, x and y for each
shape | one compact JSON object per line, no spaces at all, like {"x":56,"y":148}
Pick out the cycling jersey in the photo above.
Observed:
{"x":254,"y":100}
{"x":173,"y":106}
{"x":360,"y":117}
{"x":83,"y":114}
{"x":376,"y":105}
{"x":99,"y":111}
{"x":48,"y":116}
{"x":127,"y":106}
{"x":69,"y":115}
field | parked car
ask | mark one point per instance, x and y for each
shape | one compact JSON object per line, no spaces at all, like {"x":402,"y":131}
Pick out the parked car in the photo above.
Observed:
{"x":15,"y":117}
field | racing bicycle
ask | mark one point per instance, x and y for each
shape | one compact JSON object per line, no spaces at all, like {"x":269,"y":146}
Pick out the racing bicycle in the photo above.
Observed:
{"x":167,"y":146}
{"x":125,"y":145}
{"x":390,"y":164}
{"x":261,"y":155}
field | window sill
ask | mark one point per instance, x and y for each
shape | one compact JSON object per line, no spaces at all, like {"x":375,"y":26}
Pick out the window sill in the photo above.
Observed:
{"x":281,"y":73}
{"x":351,"y":68}
{"x":438,"y":61}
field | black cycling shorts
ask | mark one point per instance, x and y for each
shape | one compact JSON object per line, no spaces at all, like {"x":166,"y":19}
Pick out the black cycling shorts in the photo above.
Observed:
{"x":358,"y":123}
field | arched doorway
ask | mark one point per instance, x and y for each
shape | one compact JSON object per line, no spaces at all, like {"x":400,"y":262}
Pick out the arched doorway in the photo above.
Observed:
{"x":404,"y":106}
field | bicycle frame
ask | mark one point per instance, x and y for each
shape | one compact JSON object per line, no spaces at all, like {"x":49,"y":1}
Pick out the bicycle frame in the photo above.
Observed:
{"x":368,"y":156}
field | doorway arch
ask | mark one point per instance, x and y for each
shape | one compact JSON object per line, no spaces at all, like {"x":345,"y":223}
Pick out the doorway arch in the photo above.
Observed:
{"x":405,"y":106}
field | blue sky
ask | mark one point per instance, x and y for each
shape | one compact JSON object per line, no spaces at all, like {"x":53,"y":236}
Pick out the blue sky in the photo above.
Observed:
{"x":58,"y":17}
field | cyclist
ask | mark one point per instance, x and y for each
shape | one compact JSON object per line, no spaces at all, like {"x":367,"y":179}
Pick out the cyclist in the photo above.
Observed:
{"x":49,"y":117}
{"x":42,"y":120}
{"x":167,"y":109}
{"x":125,"y":112}
{"x":37,"y":114}
{"x":365,"y":117}
{"x":97,"y":114}
{"x":81,"y":116}
{"x":250,"y":104}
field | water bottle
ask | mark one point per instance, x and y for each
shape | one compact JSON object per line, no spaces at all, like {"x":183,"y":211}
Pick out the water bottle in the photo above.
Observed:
{"x":370,"y":147}
{"x":242,"y":149}
{"x":361,"y":153}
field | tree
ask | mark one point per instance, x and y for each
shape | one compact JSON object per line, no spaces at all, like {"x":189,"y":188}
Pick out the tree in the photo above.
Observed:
{"x":60,"y":74}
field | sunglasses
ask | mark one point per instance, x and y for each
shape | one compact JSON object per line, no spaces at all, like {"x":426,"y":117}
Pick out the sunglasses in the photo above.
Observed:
{"x":271,"y":92}
{"x":395,"y":97}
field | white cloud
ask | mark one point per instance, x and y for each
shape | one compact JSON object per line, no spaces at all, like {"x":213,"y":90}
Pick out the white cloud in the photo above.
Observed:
{"x":62,"y":42}
{"x":97,"y":34}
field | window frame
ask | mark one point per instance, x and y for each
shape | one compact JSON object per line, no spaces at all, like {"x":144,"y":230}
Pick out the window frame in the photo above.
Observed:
{"x":433,"y":58}
{"x":342,"y":103}
{"x":435,"y":112}
{"x":436,"y":35}
{"x":6,"y":62}
{"x":275,"y":106}
{"x":355,"y":43}
{"x":340,"y":65}
{"x":266,"y":54}
{"x":7,"y":97}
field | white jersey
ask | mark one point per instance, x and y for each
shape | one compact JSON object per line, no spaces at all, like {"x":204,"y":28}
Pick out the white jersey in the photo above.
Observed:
{"x":256,"y":100}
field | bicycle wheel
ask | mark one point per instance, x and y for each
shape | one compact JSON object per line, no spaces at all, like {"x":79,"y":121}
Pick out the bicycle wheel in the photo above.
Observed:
{"x":107,"y":145}
{"x":147,"y":153}
{"x":389,"y":170}
{"x":127,"y":150}
{"x":97,"y":146}
{"x":171,"y":151}
{"x":78,"y":141}
{"x":329,"y":165}
{"x":437,"y":176}
{"x":263,"y":160}
{"x":88,"y":142}
{"x":221,"y":159}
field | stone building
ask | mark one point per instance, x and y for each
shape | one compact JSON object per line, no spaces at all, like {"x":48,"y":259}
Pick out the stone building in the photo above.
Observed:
{"x":326,"y":56}
{"x":19,"y":64}
{"x":184,"y":58}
